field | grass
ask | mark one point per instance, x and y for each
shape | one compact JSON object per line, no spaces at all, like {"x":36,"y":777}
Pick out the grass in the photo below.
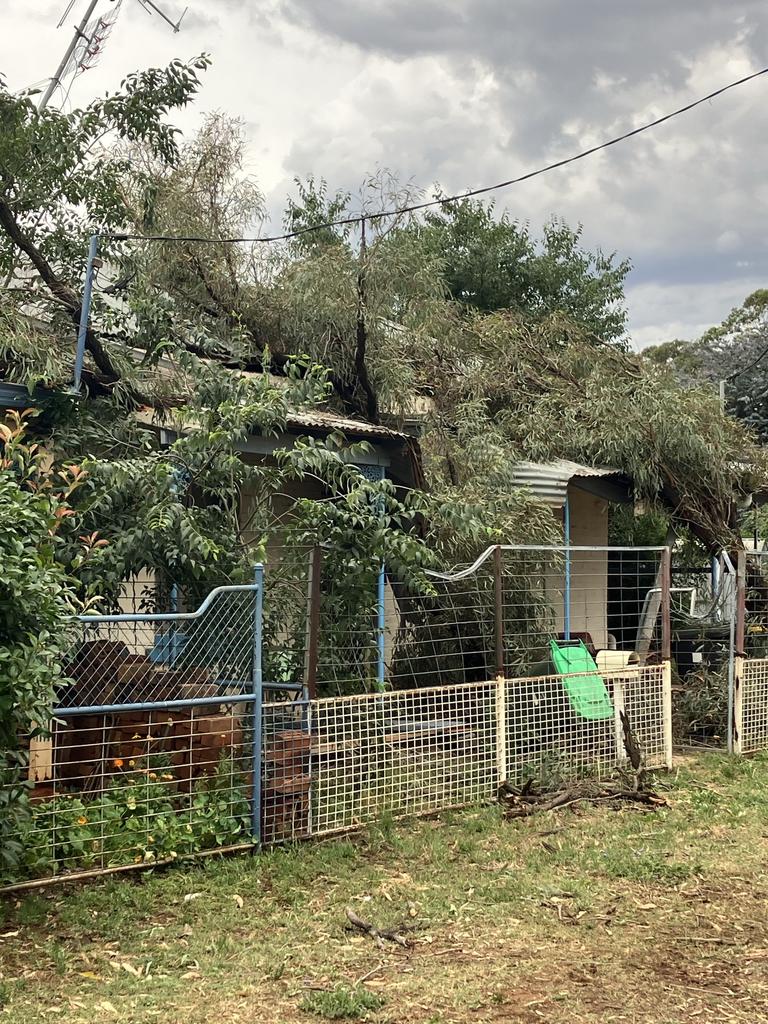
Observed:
{"x":342,"y":1003}
{"x":586,"y":915}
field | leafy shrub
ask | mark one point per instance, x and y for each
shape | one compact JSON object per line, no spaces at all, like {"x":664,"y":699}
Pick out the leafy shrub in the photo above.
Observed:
{"x":700,"y":707}
{"x":140,"y":818}
{"x":36,"y":606}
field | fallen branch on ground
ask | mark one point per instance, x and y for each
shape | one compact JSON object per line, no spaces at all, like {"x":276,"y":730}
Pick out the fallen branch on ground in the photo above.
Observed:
{"x":522,"y":801}
{"x":379,"y":935}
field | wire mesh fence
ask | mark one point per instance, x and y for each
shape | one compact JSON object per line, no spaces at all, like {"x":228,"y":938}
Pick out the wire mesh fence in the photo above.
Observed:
{"x":148,"y":657}
{"x":231,"y":723}
{"x":402,"y":753}
{"x":138,"y":787}
{"x":562,"y":727}
{"x":753,"y":566}
{"x":519,"y":611}
{"x":703,"y":607}
{"x":751,"y":713}
{"x":149,"y":755}
{"x":720,"y":651}
{"x":338,"y":693}
{"x":748,"y":698}
{"x":323,"y":620}
{"x":335,"y":764}
{"x":341,"y":627}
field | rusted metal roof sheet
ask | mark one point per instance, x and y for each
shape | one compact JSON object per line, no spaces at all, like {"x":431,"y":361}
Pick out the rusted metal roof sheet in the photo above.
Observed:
{"x":325,"y":420}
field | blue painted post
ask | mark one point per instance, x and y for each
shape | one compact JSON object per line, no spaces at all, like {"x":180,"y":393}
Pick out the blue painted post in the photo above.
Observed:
{"x":172,"y":629}
{"x":567,"y":594}
{"x":381,"y":632}
{"x":257,"y":740}
{"x":380,"y":668}
{"x":85,"y":312}
{"x":175,"y":488}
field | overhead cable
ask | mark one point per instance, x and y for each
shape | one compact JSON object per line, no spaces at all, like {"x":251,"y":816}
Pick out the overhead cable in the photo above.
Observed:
{"x":447,"y":200}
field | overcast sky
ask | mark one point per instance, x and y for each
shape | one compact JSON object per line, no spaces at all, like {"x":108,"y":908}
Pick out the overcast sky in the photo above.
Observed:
{"x":467,"y":92}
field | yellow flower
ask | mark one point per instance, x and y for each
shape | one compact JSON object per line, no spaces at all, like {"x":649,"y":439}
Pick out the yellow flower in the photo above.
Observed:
{"x":82,"y":821}
{"x":150,"y":839}
{"x":152,"y":775}
{"x":131,"y":764}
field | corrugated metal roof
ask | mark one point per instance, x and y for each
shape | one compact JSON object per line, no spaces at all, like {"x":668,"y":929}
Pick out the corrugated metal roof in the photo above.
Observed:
{"x":323,"y":419}
{"x":549,"y":481}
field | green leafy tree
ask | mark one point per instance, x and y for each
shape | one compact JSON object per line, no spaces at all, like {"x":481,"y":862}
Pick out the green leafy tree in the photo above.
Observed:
{"x":540,"y":390}
{"x":60,"y":176}
{"x":491,"y":262}
{"x":736,"y":352}
{"x":459,"y":318}
{"x":38,"y":597}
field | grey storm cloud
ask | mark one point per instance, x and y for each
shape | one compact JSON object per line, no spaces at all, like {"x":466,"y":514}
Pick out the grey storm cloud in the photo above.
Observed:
{"x":469,"y":92}
{"x":505,"y":87}
{"x":567,"y":48}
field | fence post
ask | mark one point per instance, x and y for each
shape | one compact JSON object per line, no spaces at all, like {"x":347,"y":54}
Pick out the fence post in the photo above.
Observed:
{"x":501,"y":684}
{"x":381,"y":629}
{"x":501,"y":730}
{"x":568,"y":569}
{"x":258,"y":697}
{"x":498,"y":620}
{"x":666,"y":610}
{"x":736,"y":658}
{"x":666,"y":698}
{"x":313,"y":624}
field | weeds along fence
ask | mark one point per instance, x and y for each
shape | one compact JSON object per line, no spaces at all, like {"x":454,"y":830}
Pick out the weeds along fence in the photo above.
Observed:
{"x":703,"y":598}
{"x":720,"y":650}
{"x":324,"y":693}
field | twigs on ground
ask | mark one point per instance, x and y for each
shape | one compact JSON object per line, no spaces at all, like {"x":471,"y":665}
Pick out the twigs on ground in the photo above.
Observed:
{"x":379,"y":935}
{"x":522,"y":801}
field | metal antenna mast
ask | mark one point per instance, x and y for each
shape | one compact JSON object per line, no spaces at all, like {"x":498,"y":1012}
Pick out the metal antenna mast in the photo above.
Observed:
{"x":82,"y":36}
{"x":175,"y":25}
{"x":55,"y":82}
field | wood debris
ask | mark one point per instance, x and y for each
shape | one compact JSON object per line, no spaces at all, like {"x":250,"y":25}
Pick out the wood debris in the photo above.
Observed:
{"x":522,"y":801}
{"x":379,"y":935}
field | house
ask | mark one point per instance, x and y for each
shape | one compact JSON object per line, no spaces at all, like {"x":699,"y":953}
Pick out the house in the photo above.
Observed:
{"x":578,"y":589}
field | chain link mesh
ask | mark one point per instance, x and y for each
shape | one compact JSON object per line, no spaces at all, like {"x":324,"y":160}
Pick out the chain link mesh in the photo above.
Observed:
{"x":753,"y":710}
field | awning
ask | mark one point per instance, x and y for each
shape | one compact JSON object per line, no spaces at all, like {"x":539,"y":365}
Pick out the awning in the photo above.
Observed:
{"x":549,"y":481}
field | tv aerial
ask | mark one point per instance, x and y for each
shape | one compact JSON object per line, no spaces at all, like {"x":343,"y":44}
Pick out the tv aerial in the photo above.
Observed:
{"x":90,"y":38}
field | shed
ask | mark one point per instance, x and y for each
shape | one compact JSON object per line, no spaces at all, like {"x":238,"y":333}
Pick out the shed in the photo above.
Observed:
{"x":580,"y":496}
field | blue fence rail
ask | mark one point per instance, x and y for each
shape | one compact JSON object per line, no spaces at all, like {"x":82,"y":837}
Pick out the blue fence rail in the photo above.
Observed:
{"x":156,"y":746}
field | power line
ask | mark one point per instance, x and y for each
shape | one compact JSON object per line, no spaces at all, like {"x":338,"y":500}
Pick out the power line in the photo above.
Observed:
{"x":749,"y":366}
{"x":414,"y":207}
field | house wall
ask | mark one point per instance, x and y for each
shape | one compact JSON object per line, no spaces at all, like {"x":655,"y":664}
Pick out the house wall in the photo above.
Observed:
{"x":589,"y":569}
{"x":280,"y":506}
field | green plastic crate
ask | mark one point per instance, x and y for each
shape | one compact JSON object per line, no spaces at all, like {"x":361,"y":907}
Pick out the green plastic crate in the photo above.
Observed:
{"x":583,"y":684}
